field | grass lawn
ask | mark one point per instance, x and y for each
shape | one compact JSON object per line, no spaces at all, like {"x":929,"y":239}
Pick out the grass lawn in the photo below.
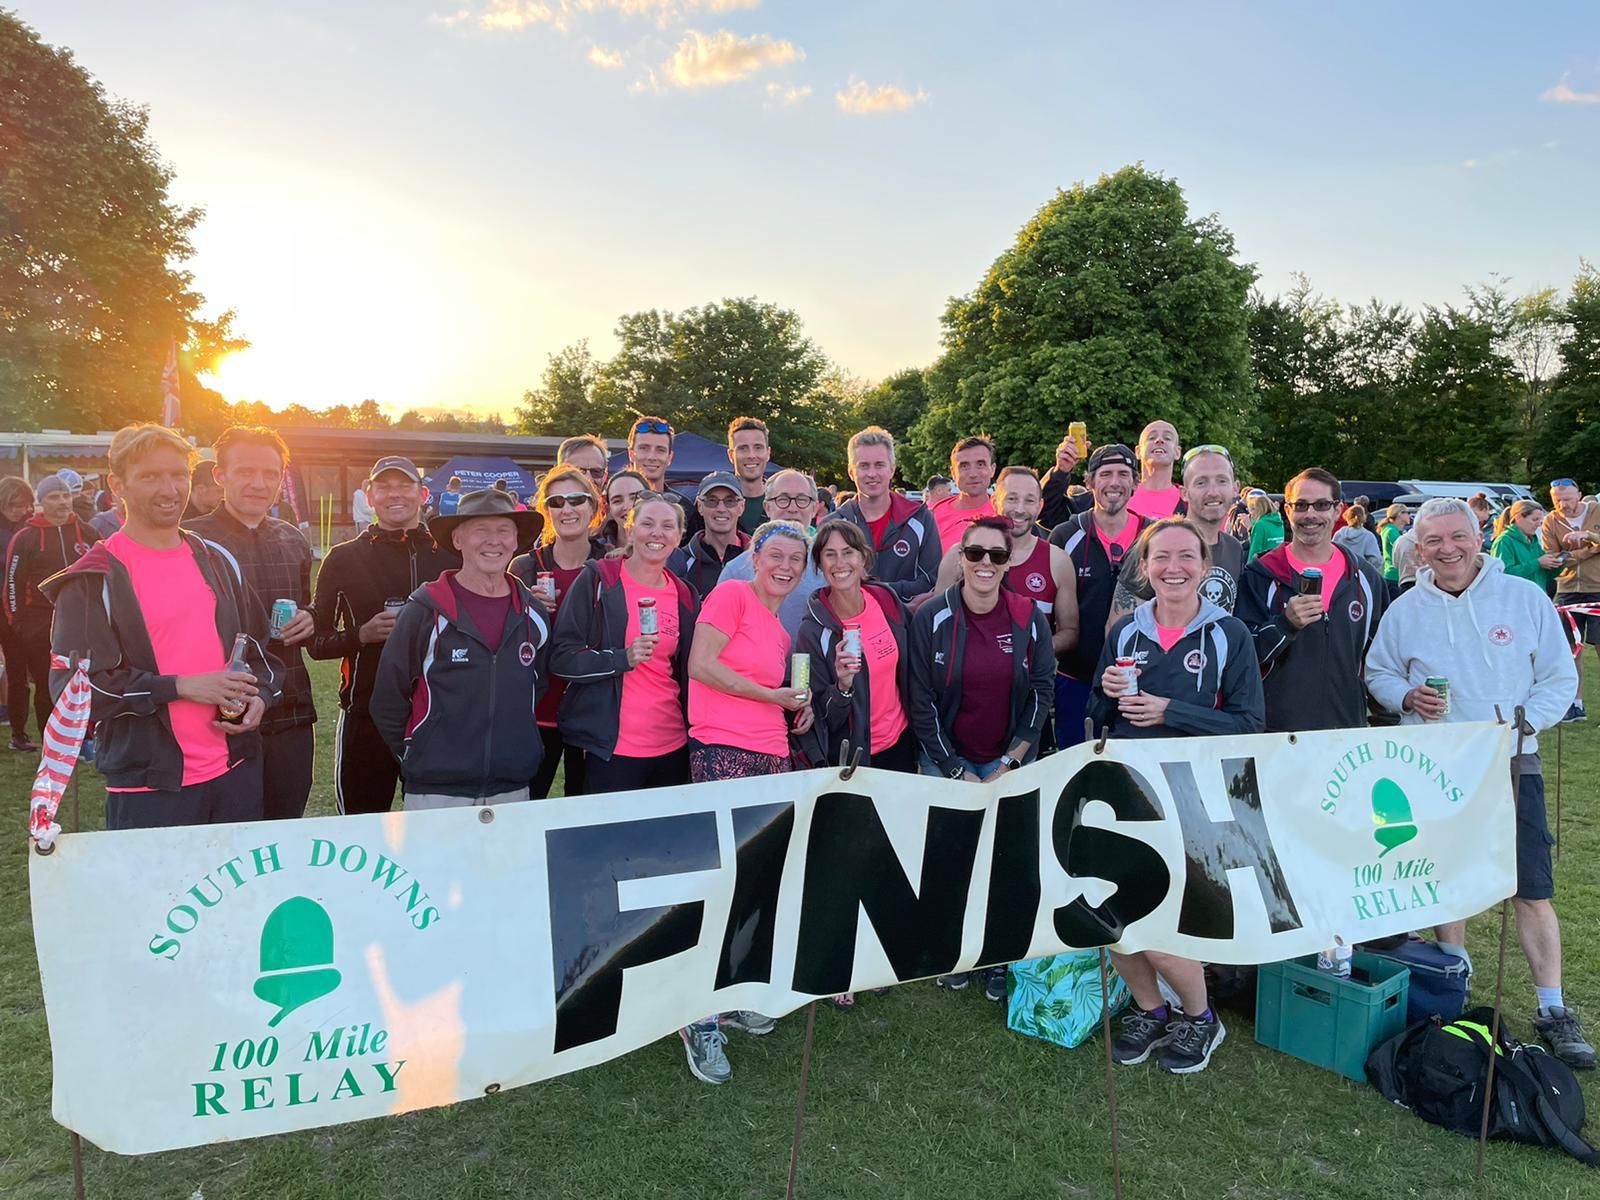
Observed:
{"x":916,"y":1093}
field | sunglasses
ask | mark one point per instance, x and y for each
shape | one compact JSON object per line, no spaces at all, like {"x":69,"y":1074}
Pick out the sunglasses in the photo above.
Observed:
{"x":1305,"y":506}
{"x":721,"y":501}
{"x":998,"y":555}
{"x":572,"y":498}
{"x":652,"y":427}
{"x":1555,"y":483}
{"x":1207,"y":449}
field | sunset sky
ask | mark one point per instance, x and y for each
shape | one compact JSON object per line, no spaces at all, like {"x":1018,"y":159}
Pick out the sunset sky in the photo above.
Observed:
{"x":418,"y":200}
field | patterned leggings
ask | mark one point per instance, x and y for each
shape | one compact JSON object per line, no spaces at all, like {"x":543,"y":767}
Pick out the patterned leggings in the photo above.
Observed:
{"x":707,"y":763}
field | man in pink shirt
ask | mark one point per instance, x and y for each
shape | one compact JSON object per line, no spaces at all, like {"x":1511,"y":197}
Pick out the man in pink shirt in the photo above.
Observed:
{"x":972,"y":469}
{"x":1156,"y":496}
{"x":157,"y":612}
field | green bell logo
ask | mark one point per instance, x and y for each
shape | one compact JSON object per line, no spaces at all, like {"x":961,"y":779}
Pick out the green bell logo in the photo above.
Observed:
{"x":1391,"y":813}
{"x":296,"y":956}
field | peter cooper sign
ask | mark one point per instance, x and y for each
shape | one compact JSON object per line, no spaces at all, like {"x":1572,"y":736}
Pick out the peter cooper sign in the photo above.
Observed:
{"x":285,"y":975}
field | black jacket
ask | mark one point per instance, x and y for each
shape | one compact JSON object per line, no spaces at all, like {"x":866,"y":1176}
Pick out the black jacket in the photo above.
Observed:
{"x":98,"y":614}
{"x":909,"y":559}
{"x":1210,"y":677}
{"x":38,"y":550}
{"x":356,"y":578}
{"x":1058,"y":506}
{"x":526,"y":567}
{"x":1312,"y":676}
{"x":591,"y":654}
{"x":702,"y":566}
{"x":1097,"y":585}
{"x":938,"y":653}
{"x":839,"y":716}
{"x":455,"y":708}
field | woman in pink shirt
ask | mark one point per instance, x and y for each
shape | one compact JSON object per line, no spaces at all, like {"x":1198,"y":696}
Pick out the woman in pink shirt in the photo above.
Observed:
{"x":624,"y":704}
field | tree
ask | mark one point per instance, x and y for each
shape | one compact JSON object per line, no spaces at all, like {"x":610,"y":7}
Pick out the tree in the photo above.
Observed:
{"x":564,"y":402}
{"x":897,"y":403}
{"x":91,"y":288}
{"x":1567,"y":441}
{"x":1113,"y":306}
{"x":1529,"y":331}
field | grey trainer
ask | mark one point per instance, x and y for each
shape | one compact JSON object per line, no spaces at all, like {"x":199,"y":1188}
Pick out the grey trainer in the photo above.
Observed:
{"x":752,"y":1022}
{"x":703,"y":1042}
{"x":1560,"y":1029}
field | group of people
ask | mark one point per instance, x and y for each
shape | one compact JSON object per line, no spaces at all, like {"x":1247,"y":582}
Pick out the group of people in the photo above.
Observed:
{"x":655,"y":641}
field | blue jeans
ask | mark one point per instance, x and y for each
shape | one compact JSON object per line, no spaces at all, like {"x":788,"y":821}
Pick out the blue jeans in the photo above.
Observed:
{"x":981,"y":769}
{"x":1072,"y":704}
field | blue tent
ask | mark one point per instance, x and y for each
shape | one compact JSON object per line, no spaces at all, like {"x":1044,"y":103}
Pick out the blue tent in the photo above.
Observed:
{"x":479,"y":473}
{"x":693,"y":458}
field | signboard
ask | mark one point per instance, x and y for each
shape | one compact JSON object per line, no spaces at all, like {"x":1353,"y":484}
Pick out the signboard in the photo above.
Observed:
{"x":228,"y":981}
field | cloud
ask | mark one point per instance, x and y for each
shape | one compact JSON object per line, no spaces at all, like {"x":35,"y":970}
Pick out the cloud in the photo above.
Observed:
{"x":860,"y":100}
{"x":508,"y":16}
{"x":787,"y":94}
{"x":1563,"y":93}
{"x":711,"y":60}
{"x":606,"y":60}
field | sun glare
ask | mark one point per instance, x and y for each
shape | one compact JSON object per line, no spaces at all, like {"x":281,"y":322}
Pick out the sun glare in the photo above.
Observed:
{"x":240,"y":376}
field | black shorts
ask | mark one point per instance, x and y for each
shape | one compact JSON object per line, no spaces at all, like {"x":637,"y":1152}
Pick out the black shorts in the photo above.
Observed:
{"x":1535,"y":875}
{"x":1588,"y":627}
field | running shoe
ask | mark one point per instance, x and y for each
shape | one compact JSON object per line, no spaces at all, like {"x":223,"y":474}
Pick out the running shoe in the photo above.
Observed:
{"x":994,"y":983}
{"x":1560,"y":1029}
{"x":754,"y":1023}
{"x":1189,"y":1048}
{"x":703,"y":1042}
{"x":1141,"y":1033}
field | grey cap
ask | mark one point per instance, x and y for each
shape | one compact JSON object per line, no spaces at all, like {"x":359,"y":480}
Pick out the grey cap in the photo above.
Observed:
{"x":718,"y":479}
{"x":50,"y":483}
{"x":395,"y":462}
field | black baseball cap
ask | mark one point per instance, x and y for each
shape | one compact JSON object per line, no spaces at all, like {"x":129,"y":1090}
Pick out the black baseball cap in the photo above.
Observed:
{"x":396,"y":462}
{"x":1113,"y":455}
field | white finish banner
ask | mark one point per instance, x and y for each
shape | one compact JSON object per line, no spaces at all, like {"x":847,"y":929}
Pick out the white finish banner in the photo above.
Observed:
{"x":228,"y":981}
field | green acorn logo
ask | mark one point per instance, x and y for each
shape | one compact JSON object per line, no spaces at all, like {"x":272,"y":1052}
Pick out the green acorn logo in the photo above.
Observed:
{"x":1391,"y":813}
{"x":296,"y":956}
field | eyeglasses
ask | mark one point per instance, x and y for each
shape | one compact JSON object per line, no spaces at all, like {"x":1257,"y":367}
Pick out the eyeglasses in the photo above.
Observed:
{"x":1555,"y":483}
{"x":1207,"y":449}
{"x":652,"y":427}
{"x":598,"y":474}
{"x":790,"y":501}
{"x":998,"y":555}
{"x":1305,"y":506}
{"x":721,"y":501}
{"x":572,"y":498}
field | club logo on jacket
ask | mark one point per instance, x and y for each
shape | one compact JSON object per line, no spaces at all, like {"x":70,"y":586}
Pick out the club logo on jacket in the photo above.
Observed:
{"x":1035,"y":581}
{"x":1501,"y":635}
{"x":1194,"y":662}
{"x":458,"y":655}
{"x":1220,"y":588}
{"x":902,"y":549}
{"x":1004,"y":642}
{"x":525,"y":654}
{"x":1356,"y":610}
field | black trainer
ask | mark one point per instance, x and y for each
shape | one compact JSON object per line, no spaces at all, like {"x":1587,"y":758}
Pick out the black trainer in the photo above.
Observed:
{"x":994,"y":983}
{"x":1140,"y":1033}
{"x":1189,"y":1049}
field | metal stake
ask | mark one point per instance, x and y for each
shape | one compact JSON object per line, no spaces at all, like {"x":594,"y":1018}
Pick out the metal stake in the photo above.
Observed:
{"x":1558,"y":793}
{"x":800,"y":1107}
{"x":77,"y":1167}
{"x":1520,"y":718}
{"x":1111,"y":1082}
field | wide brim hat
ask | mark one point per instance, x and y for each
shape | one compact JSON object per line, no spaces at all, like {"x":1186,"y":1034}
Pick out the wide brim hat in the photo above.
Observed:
{"x":489,"y":503}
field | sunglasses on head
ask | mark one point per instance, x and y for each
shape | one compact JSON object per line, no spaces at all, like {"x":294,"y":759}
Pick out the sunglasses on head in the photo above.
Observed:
{"x":1207,"y":449}
{"x":1555,"y":483}
{"x":652,"y":427}
{"x":998,"y":555}
{"x":566,"y":498}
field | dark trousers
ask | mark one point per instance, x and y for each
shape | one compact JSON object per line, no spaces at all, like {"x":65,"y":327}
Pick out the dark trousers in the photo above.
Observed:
{"x":902,"y":756}
{"x":232,"y":796}
{"x":558,"y":753}
{"x":27,"y":657}
{"x":619,"y":773}
{"x":286,"y":771}
{"x":364,"y":772}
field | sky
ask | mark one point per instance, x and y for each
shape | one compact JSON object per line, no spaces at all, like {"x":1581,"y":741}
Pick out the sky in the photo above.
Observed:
{"x":418,"y":201}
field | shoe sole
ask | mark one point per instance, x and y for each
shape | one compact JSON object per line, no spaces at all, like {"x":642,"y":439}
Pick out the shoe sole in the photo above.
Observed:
{"x":750,"y":1029}
{"x":952,"y":987}
{"x":1222,"y":1033}
{"x":1148,"y":1051}
{"x":694,"y":1068}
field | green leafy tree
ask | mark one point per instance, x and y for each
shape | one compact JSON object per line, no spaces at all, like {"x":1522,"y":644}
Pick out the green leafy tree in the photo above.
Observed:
{"x":897,"y":403}
{"x":1114,"y":306}
{"x":1567,"y":441}
{"x":91,"y":287}
{"x":564,"y":403}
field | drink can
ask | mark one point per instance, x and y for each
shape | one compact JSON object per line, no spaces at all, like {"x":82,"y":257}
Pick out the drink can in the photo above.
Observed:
{"x":852,"y":641}
{"x":394,"y":603}
{"x":1130,"y":670}
{"x":800,"y":671}
{"x":282,"y":613}
{"x":1311,"y":581}
{"x":1079,"y":433}
{"x":546,"y":581}
{"x":649,"y":623}
{"x":1441,"y":685}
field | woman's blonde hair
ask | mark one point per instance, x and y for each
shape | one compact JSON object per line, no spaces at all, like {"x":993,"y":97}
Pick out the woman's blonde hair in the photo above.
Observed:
{"x":1261,"y":506}
{"x":562,"y":474}
{"x":1515,"y":511}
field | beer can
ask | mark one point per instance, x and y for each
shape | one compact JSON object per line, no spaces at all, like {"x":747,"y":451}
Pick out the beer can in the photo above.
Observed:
{"x":649,"y":622}
{"x":1079,"y":433}
{"x":546,"y":586}
{"x":852,"y":641}
{"x":1441,"y":685}
{"x":282,"y":613}
{"x":1311,"y":581}
{"x":1130,"y":670}
{"x":394,"y":603}
{"x":800,"y":671}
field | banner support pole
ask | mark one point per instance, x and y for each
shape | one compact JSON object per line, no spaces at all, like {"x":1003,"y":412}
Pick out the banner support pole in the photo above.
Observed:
{"x":1558,"y":793}
{"x":1111,"y":1083}
{"x":800,"y":1106}
{"x":1520,"y":719}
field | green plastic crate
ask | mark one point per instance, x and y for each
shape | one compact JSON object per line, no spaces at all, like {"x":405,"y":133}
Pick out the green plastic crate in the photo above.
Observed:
{"x":1327,"y":1021}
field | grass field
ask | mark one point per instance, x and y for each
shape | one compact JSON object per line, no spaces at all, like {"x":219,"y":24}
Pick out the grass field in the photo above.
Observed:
{"x":917,"y":1093}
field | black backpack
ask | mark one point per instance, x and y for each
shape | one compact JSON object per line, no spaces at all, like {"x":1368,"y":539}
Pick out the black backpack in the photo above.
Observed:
{"x":1438,"y":1070}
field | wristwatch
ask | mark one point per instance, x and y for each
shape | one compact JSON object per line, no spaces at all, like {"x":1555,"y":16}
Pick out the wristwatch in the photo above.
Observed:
{"x":1009,"y":763}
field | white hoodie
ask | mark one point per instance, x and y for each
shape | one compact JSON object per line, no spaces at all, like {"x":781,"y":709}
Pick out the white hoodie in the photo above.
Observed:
{"x":1498,"y":643}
